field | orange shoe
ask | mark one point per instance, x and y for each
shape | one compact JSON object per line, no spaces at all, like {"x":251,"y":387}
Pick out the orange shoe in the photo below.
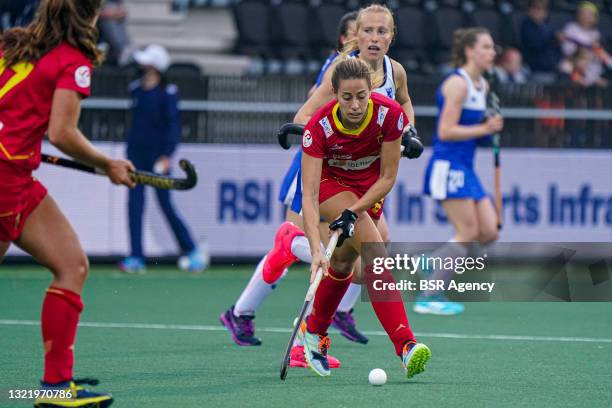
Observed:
{"x":299,"y":360}
{"x":281,"y":257}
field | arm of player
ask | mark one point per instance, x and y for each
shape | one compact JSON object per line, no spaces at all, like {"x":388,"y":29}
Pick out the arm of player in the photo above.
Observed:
{"x":311,"y":178}
{"x":389,"y":164}
{"x":402,"y":96}
{"x":455,"y":91}
{"x":65,"y":135}
{"x":322,"y":95}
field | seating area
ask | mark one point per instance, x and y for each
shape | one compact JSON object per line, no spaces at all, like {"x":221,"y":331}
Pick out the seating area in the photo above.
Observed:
{"x":294,"y":36}
{"x":285,"y":33}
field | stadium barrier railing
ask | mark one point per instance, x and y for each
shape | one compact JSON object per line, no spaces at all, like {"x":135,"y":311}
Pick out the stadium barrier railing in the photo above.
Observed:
{"x":230,"y":109}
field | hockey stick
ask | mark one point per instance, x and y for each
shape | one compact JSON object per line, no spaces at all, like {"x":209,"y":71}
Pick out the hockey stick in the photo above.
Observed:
{"x":139,"y":176}
{"x":331,"y":246}
{"x":493,"y":108}
{"x":286,"y":130}
{"x":294,"y":129}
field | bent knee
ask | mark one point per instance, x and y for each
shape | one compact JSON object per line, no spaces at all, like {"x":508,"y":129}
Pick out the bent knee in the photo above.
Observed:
{"x":468,"y":232}
{"x":384,"y":234}
{"x":488,"y":235}
{"x":73,"y":268}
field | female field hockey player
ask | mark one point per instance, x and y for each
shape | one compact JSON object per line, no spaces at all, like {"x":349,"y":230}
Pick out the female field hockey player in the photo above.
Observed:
{"x":450,"y":176}
{"x":375,"y":29}
{"x":45,"y":71}
{"x":351,"y":157}
{"x":239,"y":318}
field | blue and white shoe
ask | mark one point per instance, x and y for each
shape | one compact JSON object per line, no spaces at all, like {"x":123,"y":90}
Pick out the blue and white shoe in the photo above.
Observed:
{"x":437,"y":305}
{"x":194,"y":261}
{"x":315,"y":351}
{"x":414,"y":358}
{"x":132,"y":264}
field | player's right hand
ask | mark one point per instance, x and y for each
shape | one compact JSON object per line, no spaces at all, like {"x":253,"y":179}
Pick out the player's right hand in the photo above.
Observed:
{"x":412,"y":145}
{"x":118,"y":171}
{"x":319,"y":260}
{"x":494,"y":124}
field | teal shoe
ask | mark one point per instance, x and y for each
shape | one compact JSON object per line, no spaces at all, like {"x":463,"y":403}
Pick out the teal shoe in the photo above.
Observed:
{"x":132,"y":264}
{"x":437,"y":305}
{"x":194,"y":261}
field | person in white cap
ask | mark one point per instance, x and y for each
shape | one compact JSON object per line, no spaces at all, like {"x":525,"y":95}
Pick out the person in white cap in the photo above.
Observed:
{"x":152,"y":138}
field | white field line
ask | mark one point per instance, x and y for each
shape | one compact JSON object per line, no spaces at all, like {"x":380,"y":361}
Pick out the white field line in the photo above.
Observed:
{"x":153,"y":326}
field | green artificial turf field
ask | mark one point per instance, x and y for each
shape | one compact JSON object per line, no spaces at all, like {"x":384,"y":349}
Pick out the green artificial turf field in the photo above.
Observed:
{"x":155,"y":341}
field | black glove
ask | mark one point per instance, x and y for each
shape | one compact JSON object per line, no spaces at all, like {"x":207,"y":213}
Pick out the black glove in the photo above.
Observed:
{"x":346,"y":221}
{"x":413,"y":147}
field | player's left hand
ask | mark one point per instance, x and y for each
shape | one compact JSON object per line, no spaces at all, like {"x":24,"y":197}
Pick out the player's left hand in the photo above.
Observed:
{"x":346,"y":222}
{"x":319,"y":260}
{"x":413,"y":147}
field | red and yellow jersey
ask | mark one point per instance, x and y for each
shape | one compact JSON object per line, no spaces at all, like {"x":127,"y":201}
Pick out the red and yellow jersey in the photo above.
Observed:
{"x":352,"y":156}
{"x":26,"y":95}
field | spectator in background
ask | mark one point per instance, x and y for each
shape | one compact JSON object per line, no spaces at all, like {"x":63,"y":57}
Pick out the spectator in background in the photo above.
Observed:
{"x":113,"y":31}
{"x":583,"y":33}
{"x":509,"y":68}
{"x":577,"y":69}
{"x":540,"y":45}
{"x":151,"y":141}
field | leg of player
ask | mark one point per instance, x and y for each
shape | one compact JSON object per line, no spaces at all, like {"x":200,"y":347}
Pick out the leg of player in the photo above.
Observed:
{"x":289,"y":239}
{"x":290,"y":245}
{"x":487,"y":221}
{"x":49,"y":238}
{"x":343,"y":320}
{"x":298,"y":359}
{"x":464,"y":217}
{"x":239,"y":318}
{"x":390,"y":312}
{"x":488,"y":231}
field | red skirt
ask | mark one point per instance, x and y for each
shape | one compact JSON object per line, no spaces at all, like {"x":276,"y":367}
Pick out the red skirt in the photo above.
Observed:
{"x":330,"y":187}
{"x":20,"y":194}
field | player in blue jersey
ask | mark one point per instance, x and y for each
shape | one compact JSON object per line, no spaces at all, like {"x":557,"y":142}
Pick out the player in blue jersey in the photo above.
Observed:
{"x":450,"y":176}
